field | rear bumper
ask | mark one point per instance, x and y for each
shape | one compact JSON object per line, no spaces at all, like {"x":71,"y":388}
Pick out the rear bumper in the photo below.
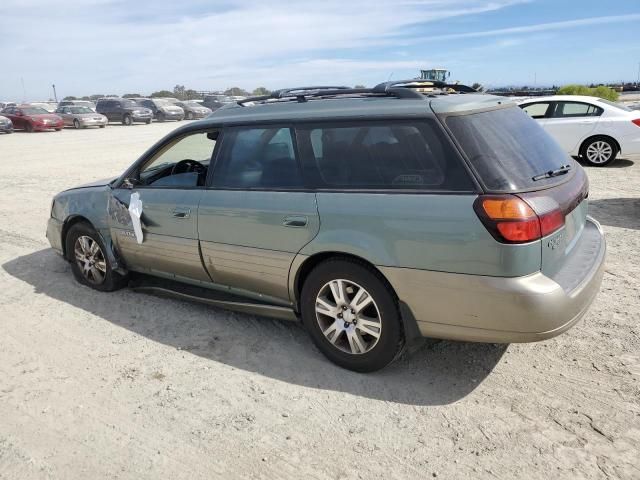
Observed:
{"x":503,"y":310}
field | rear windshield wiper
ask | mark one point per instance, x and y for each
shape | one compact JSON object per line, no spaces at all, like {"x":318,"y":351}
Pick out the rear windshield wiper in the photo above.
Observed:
{"x":553,"y":173}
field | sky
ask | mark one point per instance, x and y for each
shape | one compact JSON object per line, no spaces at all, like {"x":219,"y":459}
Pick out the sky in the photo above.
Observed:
{"x":107,"y":47}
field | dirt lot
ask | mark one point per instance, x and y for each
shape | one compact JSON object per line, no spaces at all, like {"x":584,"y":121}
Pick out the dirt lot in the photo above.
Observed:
{"x":131,"y":386}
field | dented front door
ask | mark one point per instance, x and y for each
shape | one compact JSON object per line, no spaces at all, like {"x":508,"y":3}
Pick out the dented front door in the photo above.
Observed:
{"x":170,"y":231}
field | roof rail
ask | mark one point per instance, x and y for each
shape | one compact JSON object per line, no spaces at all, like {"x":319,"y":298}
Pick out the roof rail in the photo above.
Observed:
{"x":397,"y":88}
{"x":298,"y":92}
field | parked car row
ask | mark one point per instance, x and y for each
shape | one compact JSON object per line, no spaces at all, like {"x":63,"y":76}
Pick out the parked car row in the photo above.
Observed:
{"x":82,"y":113}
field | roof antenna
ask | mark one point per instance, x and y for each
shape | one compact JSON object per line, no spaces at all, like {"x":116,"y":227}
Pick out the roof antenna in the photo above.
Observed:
{"x":390,"y":75}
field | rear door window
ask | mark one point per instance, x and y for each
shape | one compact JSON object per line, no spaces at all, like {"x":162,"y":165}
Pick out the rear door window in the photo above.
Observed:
{"x":507,"y":149}
{"x":382,"y":155}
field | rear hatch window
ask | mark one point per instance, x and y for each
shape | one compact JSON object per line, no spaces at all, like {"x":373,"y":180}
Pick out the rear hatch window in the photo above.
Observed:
{"x":508,"y":149}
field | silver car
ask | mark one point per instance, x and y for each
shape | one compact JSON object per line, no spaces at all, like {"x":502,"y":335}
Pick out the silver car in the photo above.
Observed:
{"x":81,"y":117}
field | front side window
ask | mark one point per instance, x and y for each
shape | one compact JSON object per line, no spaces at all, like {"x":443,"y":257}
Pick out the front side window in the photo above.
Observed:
{"x":536,"y":110}
{"x":576,"y":109}
{"x":182,"y":163}
{"x":383,"y":155}
{"x":257,"y":158}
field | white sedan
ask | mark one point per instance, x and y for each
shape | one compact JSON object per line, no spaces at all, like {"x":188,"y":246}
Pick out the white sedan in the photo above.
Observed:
{"x":594,"y":129}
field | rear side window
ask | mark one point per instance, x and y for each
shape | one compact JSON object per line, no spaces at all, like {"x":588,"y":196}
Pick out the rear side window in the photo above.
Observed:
{"x":507,"y":148}
{"x":576,"y":109}
{"x":382,"y":155}
{"x":257,"y":158}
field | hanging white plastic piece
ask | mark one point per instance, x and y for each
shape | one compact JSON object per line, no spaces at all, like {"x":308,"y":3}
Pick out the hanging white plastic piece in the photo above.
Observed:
{"x":135,"y":210}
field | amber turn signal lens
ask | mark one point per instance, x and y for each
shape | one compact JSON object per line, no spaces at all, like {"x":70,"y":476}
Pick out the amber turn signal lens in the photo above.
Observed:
{"x":507,"y":208}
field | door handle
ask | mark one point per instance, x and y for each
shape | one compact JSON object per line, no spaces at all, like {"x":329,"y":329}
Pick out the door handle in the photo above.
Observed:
{"x":181,"y":212}
{"x":295,"y":221}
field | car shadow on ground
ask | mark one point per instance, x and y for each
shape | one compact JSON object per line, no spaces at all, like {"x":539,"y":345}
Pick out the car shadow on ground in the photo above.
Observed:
{"x":619,"y":163}
{"x":436,"y":373}
{"x":616,"y":212}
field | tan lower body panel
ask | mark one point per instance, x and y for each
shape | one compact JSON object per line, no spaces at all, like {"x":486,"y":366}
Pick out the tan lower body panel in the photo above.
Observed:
{"x":492,"y":309}
{"x":252,"y":269}
{"x":161,"y":253}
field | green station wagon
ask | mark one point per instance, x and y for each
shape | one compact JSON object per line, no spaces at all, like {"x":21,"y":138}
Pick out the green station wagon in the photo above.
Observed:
{"x":373,"y":215}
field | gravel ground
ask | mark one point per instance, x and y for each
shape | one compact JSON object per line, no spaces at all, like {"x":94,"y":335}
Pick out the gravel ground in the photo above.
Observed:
{"x":132,"y":386}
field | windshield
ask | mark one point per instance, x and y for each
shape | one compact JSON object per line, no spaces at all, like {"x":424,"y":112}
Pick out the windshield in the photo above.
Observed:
{"x":193,"y":103}
{"x":129,"y":104}
{"x":80,"y":110}
{"x":162,"y":102}
{"x":507,"y":148}
{"x":619,"y":106}
{"x":33,"y":111}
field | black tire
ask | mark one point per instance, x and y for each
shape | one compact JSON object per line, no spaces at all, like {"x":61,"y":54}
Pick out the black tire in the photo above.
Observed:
{"x":148,"y":122}
{"x":127,"y":120}
{"x":76,"y":124}
{"x":391,"y":336}
{"x":592,"y":145}
{"x":111,"y":280}
{"x":102,"y":126}
{"x":28,"y":128}
{"x":58,"y":129}
{"x":161,"y":117}
{"x":189,"y":116}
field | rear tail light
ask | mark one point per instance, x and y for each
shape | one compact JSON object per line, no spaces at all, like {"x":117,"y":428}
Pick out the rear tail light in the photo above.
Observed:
{"x":636,"y":121}
{"x":512,"y":220}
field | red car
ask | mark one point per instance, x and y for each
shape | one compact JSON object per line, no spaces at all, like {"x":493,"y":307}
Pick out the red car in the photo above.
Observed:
{"x":31,"y":119}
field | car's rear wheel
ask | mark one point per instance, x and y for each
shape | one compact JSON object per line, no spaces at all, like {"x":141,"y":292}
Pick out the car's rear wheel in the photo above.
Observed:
{"x":148,"y":122}
{"x":28,"y":127}
{"x":76,"y":124}
{"x":189,"y":116}
{"x":127,"y":120}
{"x":102,"y":126}
{"x":599,"y":151}
{"x":89,"y":262}
{"x":161,"y":117}
{"x":351,"y":315}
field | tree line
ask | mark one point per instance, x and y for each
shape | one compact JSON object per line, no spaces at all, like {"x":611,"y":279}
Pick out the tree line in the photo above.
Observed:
{"x":179,"y":91}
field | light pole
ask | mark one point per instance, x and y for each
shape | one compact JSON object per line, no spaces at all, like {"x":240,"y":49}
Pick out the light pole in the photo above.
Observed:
{"x":55,"y":95}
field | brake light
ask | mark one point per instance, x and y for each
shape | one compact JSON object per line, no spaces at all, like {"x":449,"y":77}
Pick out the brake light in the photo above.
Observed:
{"x":636,"y":121}
{"x":512,"y":220}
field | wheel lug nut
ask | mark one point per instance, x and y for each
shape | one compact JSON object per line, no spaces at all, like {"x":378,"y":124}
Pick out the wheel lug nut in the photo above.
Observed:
{"x":344,"y":307}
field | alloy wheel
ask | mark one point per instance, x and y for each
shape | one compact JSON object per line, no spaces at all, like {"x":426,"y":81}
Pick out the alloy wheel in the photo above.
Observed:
{"x":599,"y":152}
{"x":348,"y":316}
{"x":90,"y":259}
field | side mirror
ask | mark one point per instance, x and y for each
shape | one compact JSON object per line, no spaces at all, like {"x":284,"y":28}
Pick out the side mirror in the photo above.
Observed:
{"x":130,"y":183}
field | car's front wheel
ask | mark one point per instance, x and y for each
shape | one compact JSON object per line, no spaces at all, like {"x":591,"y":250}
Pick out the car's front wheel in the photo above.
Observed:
{"x":599,"y":151}
{"x":351,"y":315}
{"x":76,"y":124}
{"x":189,"y":116}
{"x":89,"y":262}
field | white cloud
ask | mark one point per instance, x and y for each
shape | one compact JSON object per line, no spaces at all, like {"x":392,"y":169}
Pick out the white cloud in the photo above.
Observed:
{"x":541,"y":27}
{"x":109,"y":46}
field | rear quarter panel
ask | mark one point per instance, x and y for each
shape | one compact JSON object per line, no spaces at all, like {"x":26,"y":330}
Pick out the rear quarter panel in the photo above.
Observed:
{"x":438,"y":232}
